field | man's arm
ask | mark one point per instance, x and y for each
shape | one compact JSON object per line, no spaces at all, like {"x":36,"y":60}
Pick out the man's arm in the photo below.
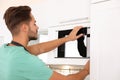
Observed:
{"x":50,"y":45}
{"x":78,"y":76}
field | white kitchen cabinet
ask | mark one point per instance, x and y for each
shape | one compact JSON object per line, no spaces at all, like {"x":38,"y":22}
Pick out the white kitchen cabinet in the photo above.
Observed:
{"x":105,"y":41}
{"x":56,"y":12}
{"x":104,"y":4}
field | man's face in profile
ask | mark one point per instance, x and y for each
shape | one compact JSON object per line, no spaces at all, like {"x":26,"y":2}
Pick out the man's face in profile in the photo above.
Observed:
{"x":33,"y":29}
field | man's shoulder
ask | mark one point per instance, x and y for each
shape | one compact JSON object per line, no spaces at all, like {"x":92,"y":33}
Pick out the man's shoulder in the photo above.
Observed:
{"x":13,"y":51}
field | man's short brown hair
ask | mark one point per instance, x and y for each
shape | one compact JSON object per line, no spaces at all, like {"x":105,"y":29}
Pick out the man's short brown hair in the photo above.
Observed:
{"x":14,"y":16}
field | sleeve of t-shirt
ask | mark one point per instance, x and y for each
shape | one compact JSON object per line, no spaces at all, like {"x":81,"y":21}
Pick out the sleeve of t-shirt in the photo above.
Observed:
{"x":33,"y":68}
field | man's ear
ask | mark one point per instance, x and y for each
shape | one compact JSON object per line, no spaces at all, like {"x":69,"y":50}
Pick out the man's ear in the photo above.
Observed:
{"x":24,"y":28}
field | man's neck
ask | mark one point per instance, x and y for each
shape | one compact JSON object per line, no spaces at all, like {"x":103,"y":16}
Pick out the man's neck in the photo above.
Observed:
{"x":21,"y":41}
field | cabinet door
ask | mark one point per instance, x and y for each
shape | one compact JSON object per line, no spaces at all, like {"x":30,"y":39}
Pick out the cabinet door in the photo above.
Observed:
{"x":105,"y":43}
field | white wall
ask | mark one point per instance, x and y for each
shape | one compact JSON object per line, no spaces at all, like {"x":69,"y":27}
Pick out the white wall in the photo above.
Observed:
{"x":5,"y":35}
{"x":51,"y":12}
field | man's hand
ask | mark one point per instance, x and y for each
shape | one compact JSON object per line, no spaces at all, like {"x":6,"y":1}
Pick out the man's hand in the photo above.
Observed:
{"x":87,"y":67}
{"x":73,"y":34}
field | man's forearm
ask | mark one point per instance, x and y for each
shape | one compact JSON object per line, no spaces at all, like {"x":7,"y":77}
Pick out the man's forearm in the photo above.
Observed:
{"x":46,"y":46}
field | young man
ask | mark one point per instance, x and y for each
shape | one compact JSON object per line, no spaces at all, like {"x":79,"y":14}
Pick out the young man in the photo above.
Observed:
{"x":18,"y":61}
